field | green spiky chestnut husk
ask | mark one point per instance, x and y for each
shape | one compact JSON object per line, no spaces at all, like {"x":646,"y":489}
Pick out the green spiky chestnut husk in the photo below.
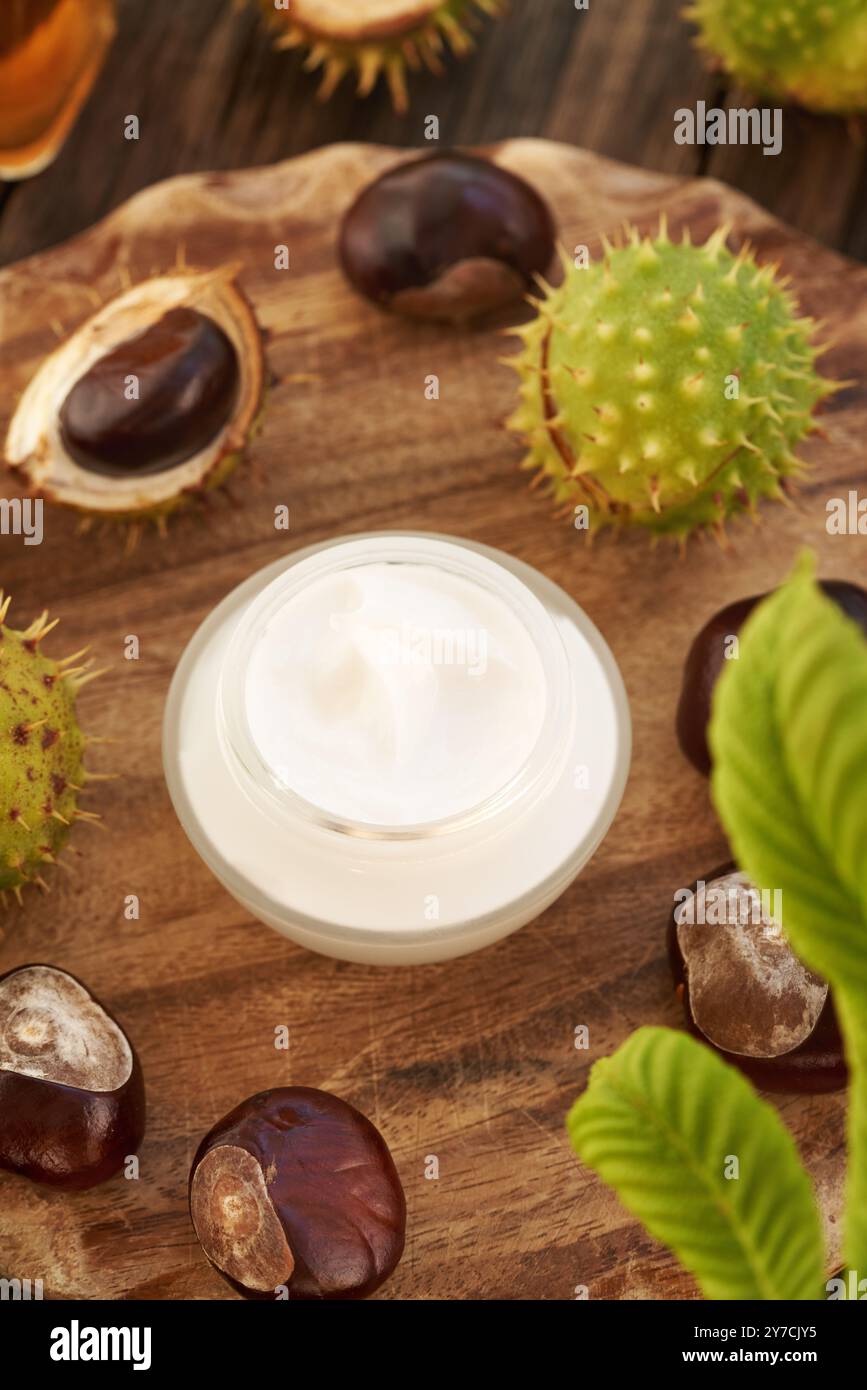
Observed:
{"x":666,"y":386}
{"x":375,"y":38}
{"x":813,"y":52}
{"x":41,"y":754}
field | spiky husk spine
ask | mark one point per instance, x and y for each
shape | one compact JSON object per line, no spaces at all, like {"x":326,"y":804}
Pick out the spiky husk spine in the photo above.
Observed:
{"x":666,"y":386}
{"x":421,"y":44}
{"x":42,"y":749}
{"x":813,"y":52}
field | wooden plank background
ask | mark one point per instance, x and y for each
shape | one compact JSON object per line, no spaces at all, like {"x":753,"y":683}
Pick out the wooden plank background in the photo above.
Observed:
{"x":211,"y":94}
{"x":472,"y":1061}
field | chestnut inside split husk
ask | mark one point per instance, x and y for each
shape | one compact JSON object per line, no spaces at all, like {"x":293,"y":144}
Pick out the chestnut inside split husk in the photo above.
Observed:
{"x":448,"y":236}
{"x":155,"y":400}
{"x":707,"y":657}
{"x":745,"y":992}
{"x":148,"y":406}
{"x":295,"y":1194}
{"x":72,"y":1102}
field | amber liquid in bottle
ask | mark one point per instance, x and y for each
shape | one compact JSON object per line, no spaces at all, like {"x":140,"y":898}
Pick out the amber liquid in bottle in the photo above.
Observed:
{"x":51,"y":52}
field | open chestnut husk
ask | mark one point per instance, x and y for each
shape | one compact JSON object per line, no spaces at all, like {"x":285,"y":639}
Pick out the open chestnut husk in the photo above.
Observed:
{"x":72,"y":1101}
{"x":295,"y":1194}
{"x":708,"y":654}
{"x":373,"y":39}
{"x":148,"y":406}
{"x":448,"y":236}
{"x":746,"y":993}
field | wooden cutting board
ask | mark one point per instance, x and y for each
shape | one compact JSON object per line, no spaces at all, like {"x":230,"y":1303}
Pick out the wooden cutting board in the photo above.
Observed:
{"x":471,"y":1061}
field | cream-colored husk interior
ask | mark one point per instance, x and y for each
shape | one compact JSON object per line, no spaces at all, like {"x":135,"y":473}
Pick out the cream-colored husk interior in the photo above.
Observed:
{"x":353,"y":21}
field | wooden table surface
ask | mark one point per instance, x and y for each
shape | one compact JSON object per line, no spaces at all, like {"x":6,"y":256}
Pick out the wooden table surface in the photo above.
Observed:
{"x":474,"y":1060}
{"x":211,"y":94}
{"x":471,"y":1061}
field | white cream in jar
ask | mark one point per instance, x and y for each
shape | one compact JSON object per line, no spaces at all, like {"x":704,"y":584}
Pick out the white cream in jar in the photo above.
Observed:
{"x":396,"y":747}
{"x":394,"y":695}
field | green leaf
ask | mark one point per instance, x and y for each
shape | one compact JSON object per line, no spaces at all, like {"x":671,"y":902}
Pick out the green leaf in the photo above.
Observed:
{"x":789,"y":742}
{"x":659,"y":1122}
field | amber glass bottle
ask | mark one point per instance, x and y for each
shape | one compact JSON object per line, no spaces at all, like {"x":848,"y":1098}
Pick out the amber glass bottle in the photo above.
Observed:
{"x":51,"y":52}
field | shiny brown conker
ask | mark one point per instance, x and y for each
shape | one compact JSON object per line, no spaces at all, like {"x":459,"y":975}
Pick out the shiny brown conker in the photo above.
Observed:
{"x":448,"y":236}
{"x":155,"y":400}
{"x":295,"y":1194}
{"x":72,"y":1102}
{"x":746,"y":994}
{"x":707,"y":657}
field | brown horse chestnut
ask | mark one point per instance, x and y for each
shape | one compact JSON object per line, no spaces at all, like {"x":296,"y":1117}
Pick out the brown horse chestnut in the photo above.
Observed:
{"x":447,"y":236}
{"x":295,"y":1194}
{"x":708,"y":655}
{"x":745,"y":991}
{"x":72,"y":1104}
{"x":155,"y":400}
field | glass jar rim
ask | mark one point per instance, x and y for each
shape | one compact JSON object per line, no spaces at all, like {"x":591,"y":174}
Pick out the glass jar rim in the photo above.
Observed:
{"x":394,"y":548}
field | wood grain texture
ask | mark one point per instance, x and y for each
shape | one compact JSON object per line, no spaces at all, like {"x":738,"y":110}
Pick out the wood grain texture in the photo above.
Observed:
{"x":211,"y":93}
{"x":472,"y":1061}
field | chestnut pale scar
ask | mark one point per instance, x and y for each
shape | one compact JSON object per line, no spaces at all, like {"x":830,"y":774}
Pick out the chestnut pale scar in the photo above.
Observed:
{"x":235,"y":1220}
{"x":51,"y":1029}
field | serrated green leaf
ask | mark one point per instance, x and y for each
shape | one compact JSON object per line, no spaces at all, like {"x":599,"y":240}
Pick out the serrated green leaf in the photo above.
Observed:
{"x":659,"y":1122}
{"x":789,"y":742}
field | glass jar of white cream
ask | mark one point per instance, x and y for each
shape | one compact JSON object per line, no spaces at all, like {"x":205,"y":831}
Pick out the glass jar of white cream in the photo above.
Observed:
{"x":396,"y":747}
